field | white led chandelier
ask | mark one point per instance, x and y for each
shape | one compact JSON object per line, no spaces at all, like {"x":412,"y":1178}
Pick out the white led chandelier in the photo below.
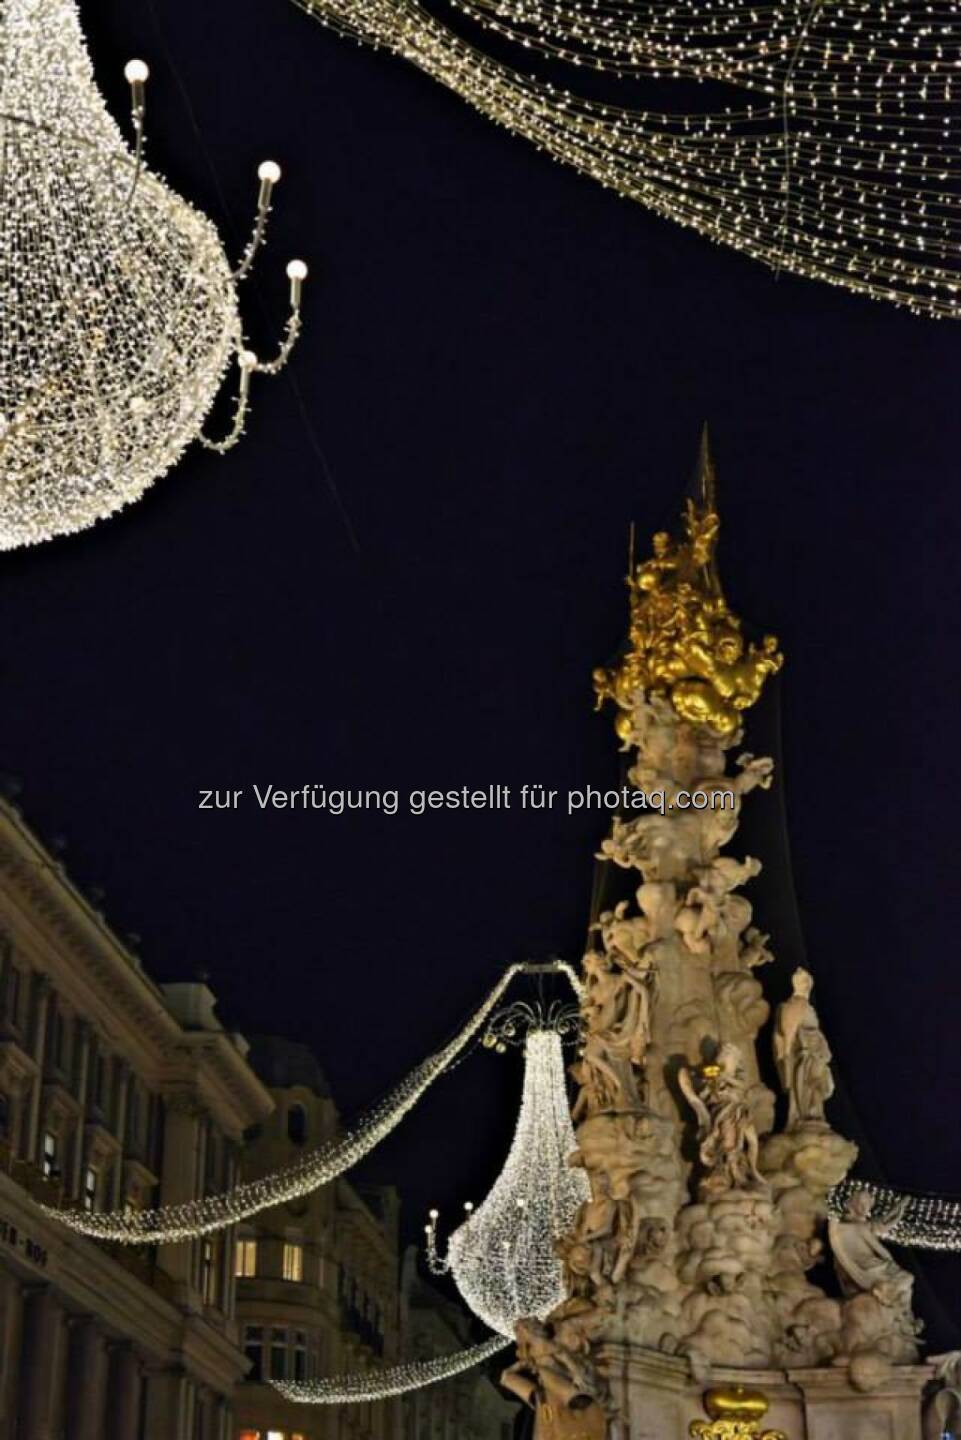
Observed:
{"x":502,"y":1257}
{"x":118,"y":306}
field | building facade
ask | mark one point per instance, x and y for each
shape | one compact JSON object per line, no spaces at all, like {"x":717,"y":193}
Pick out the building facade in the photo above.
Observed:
{"x":113,"y":1091}
{"x":317,"y":1279}
{"x":320,"y":1292}
{"x":470,"y":1406}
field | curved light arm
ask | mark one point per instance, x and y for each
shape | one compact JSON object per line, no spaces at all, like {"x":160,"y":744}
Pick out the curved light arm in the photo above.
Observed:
{"x":137,"y":74}
{"x":247,"y":362}
{"x":268,"y":174}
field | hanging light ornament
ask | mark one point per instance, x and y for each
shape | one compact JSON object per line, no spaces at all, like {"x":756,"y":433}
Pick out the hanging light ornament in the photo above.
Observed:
{"x":840,"y":163}
{"x":502,"y":1257}
{"x":118,"y":306}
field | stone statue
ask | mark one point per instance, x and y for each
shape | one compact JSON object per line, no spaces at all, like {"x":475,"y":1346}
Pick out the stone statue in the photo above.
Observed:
{"x":728,"y":1137}
{"x":802,"y":1055}
{"x":710,"y":911}
{"x":864,"y":1265}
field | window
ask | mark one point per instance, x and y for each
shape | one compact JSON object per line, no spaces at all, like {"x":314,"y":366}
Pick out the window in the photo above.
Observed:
{"x":91,"y":1185}
{"x":276,"y":1435}
{"x":100,"y":1082}
{"x":208,"y":1271}
{"x":297,"y":1124}
{"x":58,"y":1040}
{"x":278,"y":1354}
{"x":245,"y":1263}
{"x":249,"y":1435}
{"x":13,"y":995}
{"x":293,"y":1260}
{"x":50,"y":1163}
{"x":254,"y":1350}
{"x":4,"y":1113}
{"x":300,"y":1355}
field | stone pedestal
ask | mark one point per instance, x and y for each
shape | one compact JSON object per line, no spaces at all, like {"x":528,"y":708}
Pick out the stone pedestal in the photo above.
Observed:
{"x":658,"y":1398}
{"x":833,"y":1410}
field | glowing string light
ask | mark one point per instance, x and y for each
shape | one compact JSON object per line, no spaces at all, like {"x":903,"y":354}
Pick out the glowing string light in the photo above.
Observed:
{"x":365,"y":1385}
{"x":216,"y":1212}
{"x":924,"y":1222}
{"x":842,"y":169}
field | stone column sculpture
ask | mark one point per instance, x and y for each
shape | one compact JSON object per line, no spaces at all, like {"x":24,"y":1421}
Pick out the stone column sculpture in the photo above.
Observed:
{"x":706,"y":1218}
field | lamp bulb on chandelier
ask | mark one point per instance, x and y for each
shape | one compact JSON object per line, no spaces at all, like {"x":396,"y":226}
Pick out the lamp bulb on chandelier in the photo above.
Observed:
{"x":120,"y":309}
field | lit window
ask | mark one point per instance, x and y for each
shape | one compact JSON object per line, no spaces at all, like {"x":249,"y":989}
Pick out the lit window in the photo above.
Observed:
{"x":245,"y":1265}
{"x":293,"y":1260}
{"x":51,"y":1167}
{"x":275,"y":1435}
{"x":249,"y":1435}
{"x":91,"y":1184}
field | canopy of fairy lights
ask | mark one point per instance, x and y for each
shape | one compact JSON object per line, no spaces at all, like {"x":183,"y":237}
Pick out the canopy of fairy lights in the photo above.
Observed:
{"x":118,"y":307}
{"x":502,"y":1257}
{"x":826,"y":144}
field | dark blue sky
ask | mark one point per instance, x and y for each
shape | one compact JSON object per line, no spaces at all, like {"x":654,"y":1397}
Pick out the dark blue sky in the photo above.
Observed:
{"x":405,"y":574}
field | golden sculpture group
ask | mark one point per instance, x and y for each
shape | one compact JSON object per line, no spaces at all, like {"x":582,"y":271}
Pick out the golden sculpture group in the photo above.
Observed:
{"x":684,"y":641}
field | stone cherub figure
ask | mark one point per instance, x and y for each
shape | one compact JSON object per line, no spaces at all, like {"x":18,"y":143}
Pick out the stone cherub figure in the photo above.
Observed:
{"x":718,"y":1095}
{"x":802,"y":1055}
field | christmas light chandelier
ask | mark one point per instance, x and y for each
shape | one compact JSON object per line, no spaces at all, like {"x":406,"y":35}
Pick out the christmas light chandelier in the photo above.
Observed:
{"x":203,"y":1216}
{"x":833,"y":156}
{"x":503,"y":1257}
{"x":118,"y":307}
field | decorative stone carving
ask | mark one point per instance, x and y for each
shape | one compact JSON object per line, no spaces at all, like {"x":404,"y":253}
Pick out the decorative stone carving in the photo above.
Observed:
{"x":802,"y":1055}
{"x":877,"y":1318}
{"x":717,"y":1094}
{"x":700,"y":1242}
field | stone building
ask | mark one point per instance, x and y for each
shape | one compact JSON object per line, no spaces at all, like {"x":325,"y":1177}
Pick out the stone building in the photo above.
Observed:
{"x":466,"y":1407}
{"x":113,"y":1091}
{"x":317,"y":1278}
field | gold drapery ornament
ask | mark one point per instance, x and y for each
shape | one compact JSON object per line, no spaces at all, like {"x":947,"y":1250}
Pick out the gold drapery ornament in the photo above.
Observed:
{"x":684,"y":641}
{"x":736,"y":1414}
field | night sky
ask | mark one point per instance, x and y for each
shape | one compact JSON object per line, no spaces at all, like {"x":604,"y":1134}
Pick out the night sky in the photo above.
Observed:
{"x":405,"y":574}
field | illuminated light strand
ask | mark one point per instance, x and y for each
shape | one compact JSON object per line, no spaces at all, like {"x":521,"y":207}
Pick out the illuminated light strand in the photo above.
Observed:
{"x":194,"y":1218}
{"x":924,"y":1222}
{"x":120,"y":314}
{"x":502,"y":1257}
{"x":871,"y":203}
{"x":362,"y":1385}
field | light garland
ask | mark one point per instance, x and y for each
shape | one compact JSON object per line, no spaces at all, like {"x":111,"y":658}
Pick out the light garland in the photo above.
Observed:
{"x":118,"y":307}
{"x":502,"y":1257}
{"x":194,"y":1218}
{"x":924,"y":1222}
{"x":364,"y":1385}
{"x":843,"y":170}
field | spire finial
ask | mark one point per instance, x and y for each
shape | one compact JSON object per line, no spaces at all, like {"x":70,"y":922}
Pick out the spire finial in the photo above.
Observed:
{"x":706,"y":474}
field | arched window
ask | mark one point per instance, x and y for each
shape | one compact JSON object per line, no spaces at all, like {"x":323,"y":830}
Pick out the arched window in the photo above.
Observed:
{"x":297,"y":1124}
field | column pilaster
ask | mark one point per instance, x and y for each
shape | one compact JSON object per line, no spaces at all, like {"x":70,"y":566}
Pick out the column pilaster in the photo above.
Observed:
{"x":41,"y":1004}
{"x":42,"y":1365}
{"x":86,"y":1380}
